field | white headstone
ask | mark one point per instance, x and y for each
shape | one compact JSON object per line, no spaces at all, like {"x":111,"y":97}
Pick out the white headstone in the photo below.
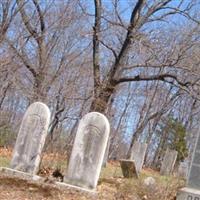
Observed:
{"x":138,"y":154}
{"x":31,"y":138}
{"x":88,"y":151}
{"x":192,"y":189}
{"x":168,"y":162}
{"x":183,"y":169}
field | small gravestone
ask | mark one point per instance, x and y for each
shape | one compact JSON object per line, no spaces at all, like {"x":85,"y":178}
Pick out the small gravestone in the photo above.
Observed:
{"x":192,"y":189}
{"x":128,"y":168}
{"x":88,"y":151}
{"x":138,"y":154}
{"x":31,"y":138}
{"x":183,"y":169}
{"x":168,"y":162}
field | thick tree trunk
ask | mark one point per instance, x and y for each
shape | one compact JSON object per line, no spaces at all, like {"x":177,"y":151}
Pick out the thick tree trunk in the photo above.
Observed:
{"x":101,"y":102}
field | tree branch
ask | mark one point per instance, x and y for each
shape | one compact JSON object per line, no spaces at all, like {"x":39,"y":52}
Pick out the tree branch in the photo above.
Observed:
{"x":109,"y":47}
{"x":23,"y":59}
{"x":26,"y":20}
{"x":41,"y":18}
{"x":160,"y":77}
{"x":133,"y":21}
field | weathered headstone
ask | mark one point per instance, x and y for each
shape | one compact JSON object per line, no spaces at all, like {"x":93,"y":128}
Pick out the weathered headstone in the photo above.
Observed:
{"x":105,"y":159}
{"x":168,"y":162}
{"x":138,"y":154}
{"x":183,"y":169}
{"x":192,"y":189}
{"x":128,"y":168}
{"x":31,"y":138}
{"x":88,"y":151}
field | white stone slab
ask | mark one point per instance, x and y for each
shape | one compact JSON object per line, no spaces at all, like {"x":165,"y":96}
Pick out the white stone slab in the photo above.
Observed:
{"x":183,"y":169}
{"x":193,"y":180}
{"x":88,"y":151}
{"x":188,"y":194}
{"x":11,"y":173}
{"x":192,"y":190}
{"x":31,"y":138}
{"x":168,"y":163}
{"x":138,"y":154}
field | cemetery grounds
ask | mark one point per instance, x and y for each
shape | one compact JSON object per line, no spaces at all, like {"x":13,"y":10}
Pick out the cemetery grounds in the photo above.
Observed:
{"x":111,"y":184}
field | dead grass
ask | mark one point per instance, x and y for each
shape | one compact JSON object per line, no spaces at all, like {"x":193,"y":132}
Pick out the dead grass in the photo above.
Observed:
{"x":111,"y":186}
{"x":165,"y":188}
{"x":16,"y":189}
{"x":5,"y":156}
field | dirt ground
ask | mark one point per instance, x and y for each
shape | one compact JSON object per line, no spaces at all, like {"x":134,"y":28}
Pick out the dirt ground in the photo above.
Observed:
{"x":16,"y":189}
{"x":108,"y":189}
{"x":111,"y":185}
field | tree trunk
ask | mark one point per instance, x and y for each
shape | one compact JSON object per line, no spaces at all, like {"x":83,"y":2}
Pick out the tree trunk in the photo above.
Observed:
{"x":101,"y":102}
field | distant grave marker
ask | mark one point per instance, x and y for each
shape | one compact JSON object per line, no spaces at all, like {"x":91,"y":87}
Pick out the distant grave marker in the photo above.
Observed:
{"x":183,"y":169}
{"x":138,"y":154}
{"x":31,"y":139}
{"x":88,"y":151}
{"x":168,"y":162}
{"x":128,"y":168}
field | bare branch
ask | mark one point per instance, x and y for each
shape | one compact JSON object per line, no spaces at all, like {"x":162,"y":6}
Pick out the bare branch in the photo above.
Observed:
{"x":42,"y":23}
{"x":160,"y":77}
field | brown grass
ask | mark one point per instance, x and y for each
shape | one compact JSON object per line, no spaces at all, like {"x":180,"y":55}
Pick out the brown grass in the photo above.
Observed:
{"x":112,"y":186}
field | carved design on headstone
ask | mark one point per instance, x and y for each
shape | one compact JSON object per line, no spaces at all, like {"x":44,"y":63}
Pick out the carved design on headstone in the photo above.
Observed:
{"x":31,"y":138}
{"x":88,"y":151}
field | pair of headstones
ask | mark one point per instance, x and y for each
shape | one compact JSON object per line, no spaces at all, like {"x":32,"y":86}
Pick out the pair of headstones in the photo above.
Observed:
{"x":87,"y":153}
{"x":133,"y":166}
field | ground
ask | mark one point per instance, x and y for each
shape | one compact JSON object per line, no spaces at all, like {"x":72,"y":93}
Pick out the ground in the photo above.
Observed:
{"x":111,"y":186}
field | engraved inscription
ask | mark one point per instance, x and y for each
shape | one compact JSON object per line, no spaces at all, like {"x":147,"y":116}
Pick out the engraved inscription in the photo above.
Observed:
{"x":190,"y":197}
{"x":87,"y":154}
{"x":92,"y":137}
{"x":31,"y":138}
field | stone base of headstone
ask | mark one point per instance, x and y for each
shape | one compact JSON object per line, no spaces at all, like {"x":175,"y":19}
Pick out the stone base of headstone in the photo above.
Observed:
{"x":128,"y":168}
{"x":11,"y":173}
{"x":188,"y":194}
{"x":18,"y":174}
{"x":66,"y":186}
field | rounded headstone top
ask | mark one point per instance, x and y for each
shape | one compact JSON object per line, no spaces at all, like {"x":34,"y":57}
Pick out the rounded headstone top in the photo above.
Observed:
{"x":39,"y":107}
{"x":97,"y":118}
